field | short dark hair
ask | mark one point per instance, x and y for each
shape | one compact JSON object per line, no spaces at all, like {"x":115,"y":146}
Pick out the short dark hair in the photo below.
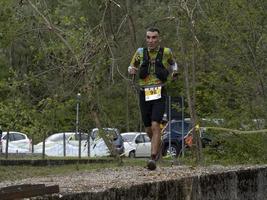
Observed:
{"x":153,"y":29}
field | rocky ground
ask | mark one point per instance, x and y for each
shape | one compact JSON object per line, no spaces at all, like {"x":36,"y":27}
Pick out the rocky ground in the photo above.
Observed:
{"x":103,"y":179}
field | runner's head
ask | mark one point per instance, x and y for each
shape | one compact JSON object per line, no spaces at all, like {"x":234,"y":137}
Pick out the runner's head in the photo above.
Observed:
{"x":152,"y":38}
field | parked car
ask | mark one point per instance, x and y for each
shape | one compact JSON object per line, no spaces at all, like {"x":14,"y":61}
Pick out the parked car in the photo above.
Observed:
{"x":71,"y":137}
{"x":54,"y":144}
{"x":136,"y":144}
{"x":176,"y":136}
{"x":18,"y":142}
{"x":99,"y":146}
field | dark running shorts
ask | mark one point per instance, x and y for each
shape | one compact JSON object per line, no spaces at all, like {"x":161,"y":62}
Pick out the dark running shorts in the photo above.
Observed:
{"x":152,"y":110}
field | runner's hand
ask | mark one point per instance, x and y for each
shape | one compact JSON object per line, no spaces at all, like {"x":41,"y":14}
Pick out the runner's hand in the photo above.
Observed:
{"x":132,"y":70}
{"x":174,"y":75}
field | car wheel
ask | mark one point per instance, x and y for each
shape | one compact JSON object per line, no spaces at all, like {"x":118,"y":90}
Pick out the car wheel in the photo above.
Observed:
{"x":132,"y":154}
{"x":174,"y":150}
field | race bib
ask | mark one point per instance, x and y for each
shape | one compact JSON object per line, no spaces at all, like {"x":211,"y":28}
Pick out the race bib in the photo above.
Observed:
{"x":153,"y":93}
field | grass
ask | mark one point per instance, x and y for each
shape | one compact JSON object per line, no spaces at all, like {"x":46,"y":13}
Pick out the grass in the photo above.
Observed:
{"x":21,"y":172}
{"x":226,"y":150}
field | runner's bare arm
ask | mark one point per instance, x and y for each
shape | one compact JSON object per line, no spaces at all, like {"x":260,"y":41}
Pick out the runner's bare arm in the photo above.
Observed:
{"x":133,"y":68}
{"x":173,"y":65}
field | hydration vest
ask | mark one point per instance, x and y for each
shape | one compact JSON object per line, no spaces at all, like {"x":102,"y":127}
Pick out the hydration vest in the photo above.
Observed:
{"x":160,"y":71}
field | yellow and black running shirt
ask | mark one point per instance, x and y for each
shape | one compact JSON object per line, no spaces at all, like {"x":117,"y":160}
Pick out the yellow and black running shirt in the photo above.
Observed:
{"x":167,"y":61}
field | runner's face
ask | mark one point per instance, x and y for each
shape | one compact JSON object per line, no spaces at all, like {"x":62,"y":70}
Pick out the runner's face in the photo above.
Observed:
{"x":152,"y":39}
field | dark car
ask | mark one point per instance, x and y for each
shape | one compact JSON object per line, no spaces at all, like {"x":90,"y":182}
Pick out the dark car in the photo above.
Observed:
{"x":113,"y":135}
{"x":178,"y":130}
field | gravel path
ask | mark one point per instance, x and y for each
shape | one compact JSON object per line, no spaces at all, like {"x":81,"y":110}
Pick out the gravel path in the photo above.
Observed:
{"x":103,"y":179}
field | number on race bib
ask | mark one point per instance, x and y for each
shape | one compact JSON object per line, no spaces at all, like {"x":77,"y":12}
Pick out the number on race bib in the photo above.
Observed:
{"x":153,"y":93}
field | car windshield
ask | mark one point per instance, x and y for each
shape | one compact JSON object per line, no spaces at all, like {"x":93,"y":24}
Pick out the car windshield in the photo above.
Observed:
{"x":13,"y":136}
{"x":69,"y":136}
{"x":176,"y":127}
{"x":128,"y":137}
{"x":110,"y":133}
{"x":84,"y":136}
{"x":57,"y":137}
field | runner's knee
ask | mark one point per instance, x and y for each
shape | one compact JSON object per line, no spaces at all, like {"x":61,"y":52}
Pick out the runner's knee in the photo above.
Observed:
{"x":155,"y":127}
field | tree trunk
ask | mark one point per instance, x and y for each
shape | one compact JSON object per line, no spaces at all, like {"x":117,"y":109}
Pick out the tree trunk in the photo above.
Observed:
{"x":109,"y":144}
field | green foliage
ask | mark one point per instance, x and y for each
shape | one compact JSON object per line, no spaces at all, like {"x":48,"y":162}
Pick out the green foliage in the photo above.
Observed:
{"x":86,"y":46}
{"x":237,"y":149}
{"x":232,"y":149}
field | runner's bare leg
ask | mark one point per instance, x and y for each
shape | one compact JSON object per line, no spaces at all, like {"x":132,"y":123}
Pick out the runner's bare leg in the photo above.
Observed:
{"x":149,"y":132}
{"x":156,"y":137}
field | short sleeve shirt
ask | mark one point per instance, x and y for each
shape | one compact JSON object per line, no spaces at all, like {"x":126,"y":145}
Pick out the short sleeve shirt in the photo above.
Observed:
{"x":151,"y":79}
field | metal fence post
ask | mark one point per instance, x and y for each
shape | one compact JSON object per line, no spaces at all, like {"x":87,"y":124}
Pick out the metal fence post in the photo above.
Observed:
{"x":183,"y":126}
{"x":1,"y":142}
{"x":170,"y":125}
{"x":1,"y":146}
{"x":32,"y":144}
{"x":7,"y":141}
{"x":43,"y":153}
{"x":77,"y":121}
{"x":88,"y":145}
{"x":64,"y":144}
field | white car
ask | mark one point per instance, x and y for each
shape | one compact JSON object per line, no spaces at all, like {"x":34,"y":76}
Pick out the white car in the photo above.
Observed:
{"x":136,"y":144}
{"x":54,"y":144}
{"x":18,"y":142}
{"x":99,"y":148}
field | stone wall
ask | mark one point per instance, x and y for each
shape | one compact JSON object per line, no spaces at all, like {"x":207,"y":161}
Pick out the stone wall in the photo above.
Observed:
{"x":244,"y":184}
